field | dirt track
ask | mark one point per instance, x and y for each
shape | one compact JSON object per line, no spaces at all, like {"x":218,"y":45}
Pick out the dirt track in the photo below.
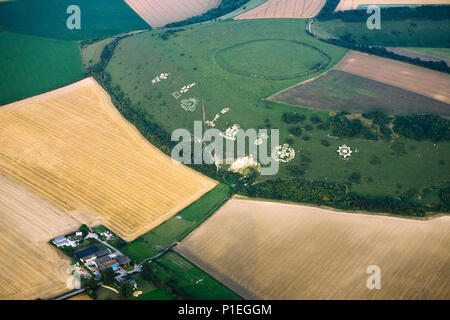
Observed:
{"x":420,"y":80}
{"x":158,"y":13}
{"x":265,"y":250}
{"x":285,"y":9}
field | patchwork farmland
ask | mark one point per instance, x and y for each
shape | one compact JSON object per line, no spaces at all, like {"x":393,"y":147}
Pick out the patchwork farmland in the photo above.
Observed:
{"x":423,"y":81}
{"x":285,"y":9}
{"x":320,"y":254}
{"x":31,"y":268}
{"x":354,"y":4}
{"x":158,"y":13}
{"x":72,"y":147}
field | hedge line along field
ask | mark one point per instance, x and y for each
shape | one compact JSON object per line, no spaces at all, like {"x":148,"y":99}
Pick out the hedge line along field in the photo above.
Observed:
{"x":430,"y":83}
{"x":411,"y":32}
{"x":27,"y":69}
{"x":72,"y":147}
{"x":190,"y":56}
{"x":285,"y":9}
{"x":30,"y":267}
{"x":158,"y":13}
{"x":320,"y":254}
{"x":354,"y":4}
{"x":47,"y":18}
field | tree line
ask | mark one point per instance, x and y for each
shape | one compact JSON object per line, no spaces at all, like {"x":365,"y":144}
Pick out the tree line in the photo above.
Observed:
{"x":331,"y":194}
{"x":226,"y":6}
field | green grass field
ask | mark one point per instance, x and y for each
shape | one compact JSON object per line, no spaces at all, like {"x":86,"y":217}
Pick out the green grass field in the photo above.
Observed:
{"x":47,"y":18}
{"x":33,"y":65}
{"x":393,"y":33}
{"x":178,"y":226}
{"x":193,"y":281}
{"x":260,"y":59}
{"x":189,"y":56}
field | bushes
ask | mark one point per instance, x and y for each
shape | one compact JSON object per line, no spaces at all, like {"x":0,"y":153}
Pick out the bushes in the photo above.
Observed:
{"x":423,"y":127}
{"x":296,"y":131}
{"x":343,"y":127}
{"x":292,"y":117}
{"x":325,"y":143}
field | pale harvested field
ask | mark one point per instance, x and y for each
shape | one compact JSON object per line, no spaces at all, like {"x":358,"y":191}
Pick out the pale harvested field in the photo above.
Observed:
{"x":73,"y":148}
{"x":353,"y":4}
{"x":158,"y":13}
{"x":430,"y":83}
{"x":30,"y":268}
{"x":266,"y":250}
{"x":285,"y":9}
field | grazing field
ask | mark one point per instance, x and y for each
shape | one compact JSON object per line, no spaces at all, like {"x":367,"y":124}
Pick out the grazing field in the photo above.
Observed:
{"x":158,"y":13}
{"x":420,"y":80}
{"x":72,"y":147}
{"x":191,"y":280}
{"x":47,"y":18}
{"x":342,"y":91}
{"x":354,"y":4}
{"x":264,"y":250}
{"x":28,"y":71}
{"x":285,"y":9}
{"x":258,"y":59}
{"x":30,"y":267}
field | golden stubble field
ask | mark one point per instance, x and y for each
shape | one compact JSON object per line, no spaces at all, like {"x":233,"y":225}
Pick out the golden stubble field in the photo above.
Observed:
{"x":285,"y":9}
{"x":266,"y":250}
{"x":73,"y":148}
{"x":29,"y":266}
{"x":420,"y":80}
{"x":158,"y":13}
{"x":353,"y":4}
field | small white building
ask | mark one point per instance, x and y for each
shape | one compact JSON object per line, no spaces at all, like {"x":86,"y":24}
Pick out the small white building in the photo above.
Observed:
{"x":61,"y":242}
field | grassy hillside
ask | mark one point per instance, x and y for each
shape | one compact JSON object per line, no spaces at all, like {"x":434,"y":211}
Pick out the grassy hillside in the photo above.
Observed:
{"x":190,"y":55}
{"x":47,"y":18}
{"x":28,"y":70}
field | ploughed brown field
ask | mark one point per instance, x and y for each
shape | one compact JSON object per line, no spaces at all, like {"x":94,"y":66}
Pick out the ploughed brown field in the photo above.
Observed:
{"x":73,"y":148}
{"x":158,"y":13}
{"x":285,"y":9}
{"x":430,"y":83}
{"x":342,"y":91}
{"x":30,"y":267}
{"x":266,"y":250}
{"x":353,"y":4}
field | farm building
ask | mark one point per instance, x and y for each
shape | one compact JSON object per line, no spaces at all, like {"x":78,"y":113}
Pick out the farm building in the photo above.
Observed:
{"x":87,"y":253}
{"x":61,"y":242}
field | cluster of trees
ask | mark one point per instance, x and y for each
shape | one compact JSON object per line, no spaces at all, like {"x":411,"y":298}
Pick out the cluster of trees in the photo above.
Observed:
{"x":226,"y":6}
{"x":423,"y":127}
{"x":328,"y":9}
{"x":292,"y":117}
{"x":325,"y":193}
{"x":167,"y":34}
